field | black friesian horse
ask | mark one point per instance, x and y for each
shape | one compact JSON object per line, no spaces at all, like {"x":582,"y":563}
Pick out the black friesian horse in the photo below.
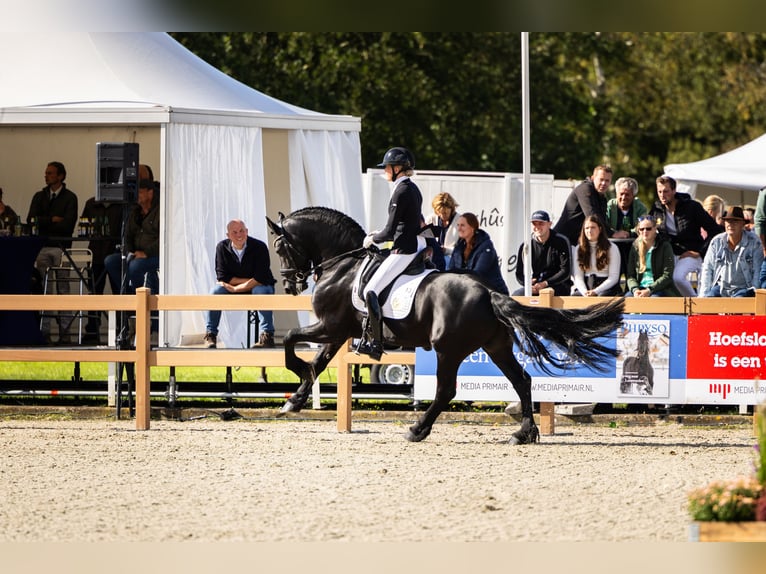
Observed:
{"x":455,"y":314}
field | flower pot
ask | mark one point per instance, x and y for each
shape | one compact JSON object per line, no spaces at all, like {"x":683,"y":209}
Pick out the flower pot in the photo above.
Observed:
{"x":727,"y":532}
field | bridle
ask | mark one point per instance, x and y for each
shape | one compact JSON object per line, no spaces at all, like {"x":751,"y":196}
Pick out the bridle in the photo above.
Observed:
{"x":296,"y":273}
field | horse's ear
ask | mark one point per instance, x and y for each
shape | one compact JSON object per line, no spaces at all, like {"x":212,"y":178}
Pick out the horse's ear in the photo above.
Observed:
{"x":275,"y":228}
{"x":281,"y":216}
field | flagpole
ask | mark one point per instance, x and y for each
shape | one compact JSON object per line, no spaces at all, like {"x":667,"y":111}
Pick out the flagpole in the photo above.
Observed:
{"x":525,"y":159}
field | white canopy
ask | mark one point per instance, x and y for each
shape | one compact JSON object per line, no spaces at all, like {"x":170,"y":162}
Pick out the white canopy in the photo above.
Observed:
{"x":734,"y":174}
{"x":215,"y":144}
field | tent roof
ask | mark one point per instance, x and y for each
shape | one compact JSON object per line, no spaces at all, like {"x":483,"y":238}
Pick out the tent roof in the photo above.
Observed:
{"x":742,"y":168}
{"x":97,"y":77}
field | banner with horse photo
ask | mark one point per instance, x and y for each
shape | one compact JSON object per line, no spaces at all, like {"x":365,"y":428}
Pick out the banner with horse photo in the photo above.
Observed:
{"x":650,"y":365}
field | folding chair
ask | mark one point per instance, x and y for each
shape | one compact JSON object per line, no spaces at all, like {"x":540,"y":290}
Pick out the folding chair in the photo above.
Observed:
{"x":75,"y":267}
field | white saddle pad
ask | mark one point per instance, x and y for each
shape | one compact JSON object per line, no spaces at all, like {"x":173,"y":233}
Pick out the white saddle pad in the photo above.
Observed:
{"x":399,"y":302}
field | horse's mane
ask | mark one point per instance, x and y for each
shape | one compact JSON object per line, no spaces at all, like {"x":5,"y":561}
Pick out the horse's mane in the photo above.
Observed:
{"x":332,"y":218}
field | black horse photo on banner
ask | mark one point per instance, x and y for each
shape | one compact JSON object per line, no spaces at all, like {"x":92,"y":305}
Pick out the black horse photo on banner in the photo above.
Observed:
{"x":453,"y":313}
{"x":644,"y":347}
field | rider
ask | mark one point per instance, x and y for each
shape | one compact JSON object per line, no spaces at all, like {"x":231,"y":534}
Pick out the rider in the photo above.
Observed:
{"x":403,"y":227}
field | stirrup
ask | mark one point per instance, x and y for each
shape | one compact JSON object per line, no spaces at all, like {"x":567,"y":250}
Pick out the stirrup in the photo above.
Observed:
{"x":372,"y":348}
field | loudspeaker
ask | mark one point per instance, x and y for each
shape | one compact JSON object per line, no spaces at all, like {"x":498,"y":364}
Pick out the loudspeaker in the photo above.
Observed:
{"x":116,"y":172}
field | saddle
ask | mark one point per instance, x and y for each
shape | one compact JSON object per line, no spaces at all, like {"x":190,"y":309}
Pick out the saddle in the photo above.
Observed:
{"x":402,"y":288}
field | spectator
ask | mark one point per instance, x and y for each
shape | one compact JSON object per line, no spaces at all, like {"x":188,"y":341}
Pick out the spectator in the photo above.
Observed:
{"x":596,"y":262}
{"x":435,"y":254}
{"x":650,"y":263}
{"x":622,"y":213}
{"x":759,"y":226}
{"x":242,"y":265}
{"x":8,"y":217}
{"x":550,"y":258}
{"x":732,"y":264}
{"x":715,"y":206}
{"x":680,"y":219}
{"x":53,"y":214}
{"x":444,"y":221}
{"x":475,"y":253}
{"x":588,"y":198}
{"x":142,"y":244}
{"x":749,"y":217}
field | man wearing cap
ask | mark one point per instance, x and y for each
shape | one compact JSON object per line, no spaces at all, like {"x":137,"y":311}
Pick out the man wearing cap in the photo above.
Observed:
{"x":732,"y":264}
{"x":550,"y":258}
{"x":588,"y":198}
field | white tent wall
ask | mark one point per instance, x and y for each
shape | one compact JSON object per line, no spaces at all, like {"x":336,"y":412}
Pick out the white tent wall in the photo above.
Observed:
{"x":217,"y":175}
{"x":318,"y":169}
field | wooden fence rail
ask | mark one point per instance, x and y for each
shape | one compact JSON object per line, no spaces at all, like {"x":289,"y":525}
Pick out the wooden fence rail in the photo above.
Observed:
{"x":144,"y":356}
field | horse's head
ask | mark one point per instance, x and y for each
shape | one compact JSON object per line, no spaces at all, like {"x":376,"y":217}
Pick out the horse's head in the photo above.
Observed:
{"x":309,"y":236}
{"x":296,"y":267}
{"x":643,"y":344}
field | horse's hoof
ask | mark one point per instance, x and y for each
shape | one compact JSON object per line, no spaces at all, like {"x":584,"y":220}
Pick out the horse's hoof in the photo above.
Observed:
{"x":288,"y":407}
{"x":529,"y":437}
{"x":413,"y":436}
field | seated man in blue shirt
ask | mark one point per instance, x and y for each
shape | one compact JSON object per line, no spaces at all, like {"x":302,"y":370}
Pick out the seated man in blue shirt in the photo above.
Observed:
{"x":732,"y":264}
{"x":242,"y":265}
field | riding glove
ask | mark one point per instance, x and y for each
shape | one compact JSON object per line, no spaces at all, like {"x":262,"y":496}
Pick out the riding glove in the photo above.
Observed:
{"x":368,"y":241}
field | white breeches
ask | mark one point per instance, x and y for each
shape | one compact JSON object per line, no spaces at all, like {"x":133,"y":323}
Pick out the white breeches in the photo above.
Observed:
{"x":392,"y":266}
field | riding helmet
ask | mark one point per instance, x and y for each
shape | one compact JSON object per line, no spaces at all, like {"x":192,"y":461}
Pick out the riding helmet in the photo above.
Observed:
{"x":398,"y":156}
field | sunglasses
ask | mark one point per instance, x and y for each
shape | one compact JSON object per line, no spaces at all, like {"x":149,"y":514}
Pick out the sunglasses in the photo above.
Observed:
{"x":646,"y":218}
{"x":645,"y":228}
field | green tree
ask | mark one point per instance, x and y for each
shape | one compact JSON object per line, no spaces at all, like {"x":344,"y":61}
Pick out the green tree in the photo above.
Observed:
{"x":634,"y":100}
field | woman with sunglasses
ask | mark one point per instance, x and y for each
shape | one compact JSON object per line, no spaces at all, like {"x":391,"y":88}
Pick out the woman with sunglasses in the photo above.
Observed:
{"x":596,"y":261}
{"x":650,"y":263}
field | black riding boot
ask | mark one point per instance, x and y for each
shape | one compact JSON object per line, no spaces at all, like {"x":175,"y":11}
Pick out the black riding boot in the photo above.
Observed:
{"x":373,"y":331}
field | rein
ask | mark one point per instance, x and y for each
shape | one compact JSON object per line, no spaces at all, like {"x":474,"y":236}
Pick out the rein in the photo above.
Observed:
{"x":318,"y":269}
{"x":296,"y":275}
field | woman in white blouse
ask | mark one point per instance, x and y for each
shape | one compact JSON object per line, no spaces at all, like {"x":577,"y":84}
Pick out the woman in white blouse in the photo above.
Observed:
{"x":596,"y":262}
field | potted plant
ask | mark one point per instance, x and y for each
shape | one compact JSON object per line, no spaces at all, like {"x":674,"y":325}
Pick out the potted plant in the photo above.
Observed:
{"x":734,"y":510}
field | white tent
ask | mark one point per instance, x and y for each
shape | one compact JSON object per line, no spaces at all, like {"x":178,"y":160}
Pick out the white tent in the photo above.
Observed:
{"x":221,"y":150}
{"x":734,"y":175}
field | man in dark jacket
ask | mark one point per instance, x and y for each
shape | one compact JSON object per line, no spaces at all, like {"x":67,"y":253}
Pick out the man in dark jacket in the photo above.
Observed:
{"x":53,"y":213}
{"x":680,"y":220}
{"x":142,"y":244}
{"x":588,"y":198}
{"x":242,"y":265}
{"x":550,"y":254}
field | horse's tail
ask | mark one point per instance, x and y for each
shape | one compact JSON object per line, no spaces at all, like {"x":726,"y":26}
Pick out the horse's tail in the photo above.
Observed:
{"x":575,"y":330}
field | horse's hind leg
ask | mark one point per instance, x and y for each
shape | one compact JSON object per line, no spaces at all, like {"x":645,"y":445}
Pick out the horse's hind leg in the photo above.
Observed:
{"x":522,"y":384}
{"x":446,"y":388}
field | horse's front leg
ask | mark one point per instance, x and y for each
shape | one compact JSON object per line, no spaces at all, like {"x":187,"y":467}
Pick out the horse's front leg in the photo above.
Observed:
{"x":446,"y":388}
{"x":306,"y":372}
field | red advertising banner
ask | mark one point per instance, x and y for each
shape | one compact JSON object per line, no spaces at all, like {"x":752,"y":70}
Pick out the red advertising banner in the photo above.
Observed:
{"x":726,"y":347}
